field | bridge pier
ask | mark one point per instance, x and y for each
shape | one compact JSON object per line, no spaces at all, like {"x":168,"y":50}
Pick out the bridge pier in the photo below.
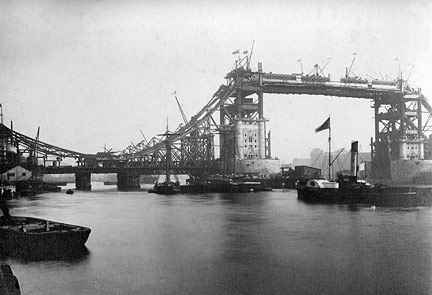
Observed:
{"x":83,"y":181}
{"x":128,"y":181}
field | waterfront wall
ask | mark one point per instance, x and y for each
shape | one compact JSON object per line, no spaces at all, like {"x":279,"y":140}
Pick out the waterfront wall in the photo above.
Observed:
{"x":402,"y":172}
{"x":415,"y":171}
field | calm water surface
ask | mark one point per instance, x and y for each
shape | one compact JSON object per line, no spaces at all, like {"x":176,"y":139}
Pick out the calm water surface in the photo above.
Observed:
{"x":254,"y":243}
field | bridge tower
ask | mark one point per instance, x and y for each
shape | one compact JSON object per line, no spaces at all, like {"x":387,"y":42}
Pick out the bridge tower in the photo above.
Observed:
{"x":244,"y":147}
{"x":399,"y":130}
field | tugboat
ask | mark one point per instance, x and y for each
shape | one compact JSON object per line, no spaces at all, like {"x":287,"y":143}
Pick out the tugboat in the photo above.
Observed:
{"x":166,"y":186}
{"x":349,"y":190}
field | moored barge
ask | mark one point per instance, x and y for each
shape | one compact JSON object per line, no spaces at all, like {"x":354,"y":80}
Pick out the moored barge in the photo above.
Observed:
{"x":34,"y":237}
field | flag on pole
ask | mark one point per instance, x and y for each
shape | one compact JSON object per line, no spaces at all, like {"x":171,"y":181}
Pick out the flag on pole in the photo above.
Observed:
{"x":236,"y":52}
{"x":299,"y":60}
{"x":174,"y":92}
{"x":246,"y":52}
{"x":324,"y":126}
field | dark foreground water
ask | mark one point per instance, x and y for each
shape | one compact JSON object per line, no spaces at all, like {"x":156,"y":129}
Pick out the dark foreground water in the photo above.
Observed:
{"x":254,"y":243}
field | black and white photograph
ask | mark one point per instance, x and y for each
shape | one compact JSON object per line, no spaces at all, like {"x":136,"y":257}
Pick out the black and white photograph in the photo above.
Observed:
{"x":215,"y":147}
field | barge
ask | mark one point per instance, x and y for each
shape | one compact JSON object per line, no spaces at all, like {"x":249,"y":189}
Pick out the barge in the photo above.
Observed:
{"x":34,"y":237}
{"x":225,"y":185}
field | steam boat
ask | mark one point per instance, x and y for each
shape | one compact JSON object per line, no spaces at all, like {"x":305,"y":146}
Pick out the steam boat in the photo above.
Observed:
{"x":348,"y":189}
{"x":166,"y":185}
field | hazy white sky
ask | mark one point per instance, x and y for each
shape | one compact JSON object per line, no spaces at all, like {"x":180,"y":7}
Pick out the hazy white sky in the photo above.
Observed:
{"x":91,"y":73}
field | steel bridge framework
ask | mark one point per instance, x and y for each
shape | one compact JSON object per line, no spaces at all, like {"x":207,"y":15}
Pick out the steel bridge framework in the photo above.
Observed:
{"x":402,"y":120}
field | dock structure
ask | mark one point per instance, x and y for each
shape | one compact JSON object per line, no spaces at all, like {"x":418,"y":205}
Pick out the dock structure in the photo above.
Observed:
{"x":402,"y":119}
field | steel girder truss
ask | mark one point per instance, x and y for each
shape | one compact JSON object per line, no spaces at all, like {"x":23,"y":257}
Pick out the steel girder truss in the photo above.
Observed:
{"x":192,"y":152}
{"x":190,"y":147}
{"x":400,"y":117}
{"x":399,"y":113}
{"x":29,"y":146}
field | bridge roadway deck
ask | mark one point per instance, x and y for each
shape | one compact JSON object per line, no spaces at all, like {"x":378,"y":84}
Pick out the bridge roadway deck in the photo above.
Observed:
{"x":308,"y":89}
{"x":130,"y":170}
{"x":310,"y":85}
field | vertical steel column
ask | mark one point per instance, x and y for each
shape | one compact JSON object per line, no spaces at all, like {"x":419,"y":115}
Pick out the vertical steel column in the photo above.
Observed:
{"x":377,"y":121}
{"x":261,"y":104}
{"x":402,"y":131}
{"x":222,"y":140}
{"x":239,"y":102}
{"x":420,"y":130}
{"x":261,"y":127}
{"x":419,"y":120}
{"x":401,"y":108}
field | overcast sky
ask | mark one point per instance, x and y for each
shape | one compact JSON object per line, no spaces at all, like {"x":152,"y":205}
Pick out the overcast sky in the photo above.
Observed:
{"x":91,"y":73}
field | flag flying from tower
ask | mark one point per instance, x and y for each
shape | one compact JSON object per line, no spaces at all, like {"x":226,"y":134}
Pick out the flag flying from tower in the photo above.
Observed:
{"x":324,"y":126}
{"x":236,"y":52}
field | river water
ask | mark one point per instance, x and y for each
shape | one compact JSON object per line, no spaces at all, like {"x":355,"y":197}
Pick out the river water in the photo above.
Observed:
{"x":252,"y":243}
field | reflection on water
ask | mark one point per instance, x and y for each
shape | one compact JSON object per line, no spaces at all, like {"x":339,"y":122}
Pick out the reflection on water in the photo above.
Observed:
{"x":74,"y":255}
{"x":253,"y":243}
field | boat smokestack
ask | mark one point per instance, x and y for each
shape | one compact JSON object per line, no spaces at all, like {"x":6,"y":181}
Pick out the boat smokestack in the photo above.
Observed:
{"x":354,"y":158}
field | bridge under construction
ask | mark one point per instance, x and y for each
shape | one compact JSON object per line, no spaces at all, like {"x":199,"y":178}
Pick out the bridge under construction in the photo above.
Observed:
{"x":402,"y":127}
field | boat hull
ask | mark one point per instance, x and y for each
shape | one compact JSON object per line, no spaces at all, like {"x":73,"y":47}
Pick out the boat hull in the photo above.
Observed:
{"x":225,"y":186}
{"x":25,"y":236}
{"x":163,"y":189}
{"x":384,"y":196}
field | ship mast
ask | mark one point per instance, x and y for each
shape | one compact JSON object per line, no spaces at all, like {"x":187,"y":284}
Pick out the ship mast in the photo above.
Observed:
{"x":167,"y":158}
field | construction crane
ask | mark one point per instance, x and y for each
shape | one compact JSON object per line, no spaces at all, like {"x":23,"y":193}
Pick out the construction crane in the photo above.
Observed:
{"x":181,"y":110}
